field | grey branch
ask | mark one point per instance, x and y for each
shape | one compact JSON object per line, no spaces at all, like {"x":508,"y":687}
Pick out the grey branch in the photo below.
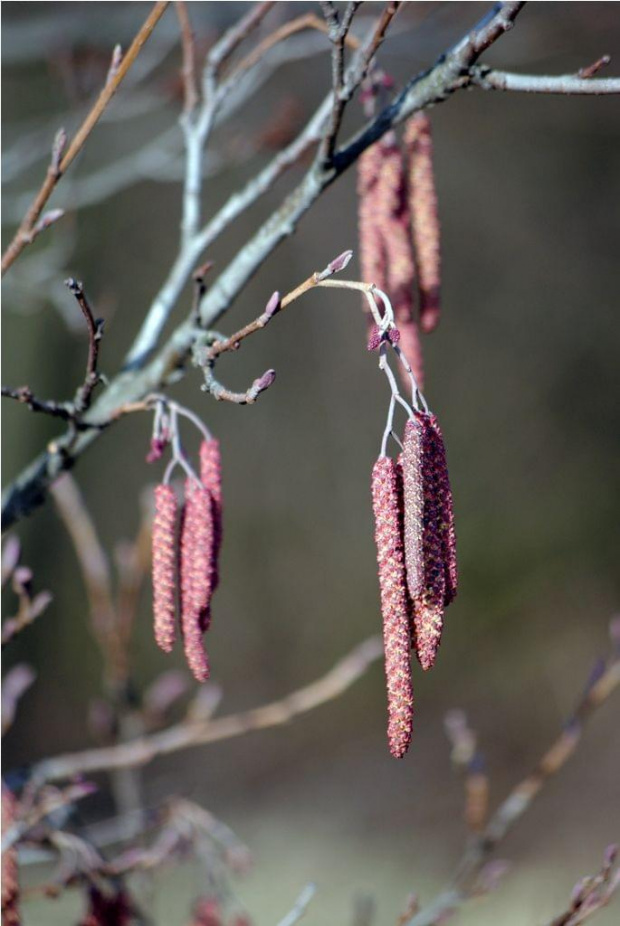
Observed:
{"x":567,"y":84}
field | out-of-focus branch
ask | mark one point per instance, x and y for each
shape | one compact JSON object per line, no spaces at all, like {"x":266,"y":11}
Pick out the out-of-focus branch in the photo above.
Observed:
{"x":479,"y":850}
{"x":61,"y":161}
{"x":187,"y":734}
{"x":189,"y":56}
{"x":592,"y":894}
{"x":92,"y":559}
{"x":300,"y":907}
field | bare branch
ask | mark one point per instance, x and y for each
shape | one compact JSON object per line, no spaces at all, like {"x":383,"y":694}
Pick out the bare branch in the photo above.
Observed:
{"x":518,"y":801}
{"x":592,"y":894}
{"x":94,"y":326}
{"x":300,"y":907}
{"x":567,"y":84}
{"x":186,"y":734}
{"x":24,"y":234}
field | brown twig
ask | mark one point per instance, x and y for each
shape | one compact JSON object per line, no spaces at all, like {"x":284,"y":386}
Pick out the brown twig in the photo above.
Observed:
{"x":593,"y":893}
{"x":283,"y":32}
{"x":60,"y":162}
{"x":190,"y":83}
{"x":25,"y":396}
{"x":95,"y":570}
{"x":187,"y":735}
{"x":94,"y":326}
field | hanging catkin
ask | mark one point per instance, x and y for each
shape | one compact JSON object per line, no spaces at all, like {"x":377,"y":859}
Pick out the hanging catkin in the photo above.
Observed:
{"x":196,"y":574}
{"x":424,"y":212}
{"x":211,"y":478}
{"x":387,"y":508}
{"x":164,"y":567}
{"x":429,"y":537}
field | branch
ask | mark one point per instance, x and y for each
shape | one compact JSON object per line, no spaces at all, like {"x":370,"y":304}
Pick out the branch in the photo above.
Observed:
{"x":59,"y":165}
{"x":300,"y":907}
{"x":593,"y":893}
{"x":518,"y":801}
{"x":94,"y":327}
{"x":567,"y":84}
{"x":187,"y":734}
{"x":25,"y":395}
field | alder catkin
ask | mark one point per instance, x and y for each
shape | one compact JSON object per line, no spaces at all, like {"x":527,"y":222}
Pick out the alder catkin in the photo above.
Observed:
{"x":425,"y":224}
{"x":10,"y":882}
{"x":388,"y":232}
{"x":211,"y":478}
{"x":196,"y":574}
{"x":387,"y":508}
{"x":164,"y":567}
{"x":430,"y":540}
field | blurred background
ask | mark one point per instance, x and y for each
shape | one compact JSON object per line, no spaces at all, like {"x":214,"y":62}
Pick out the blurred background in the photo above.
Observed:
{"x":523,"y":373}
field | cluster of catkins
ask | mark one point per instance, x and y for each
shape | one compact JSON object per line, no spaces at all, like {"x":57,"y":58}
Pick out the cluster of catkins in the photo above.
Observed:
{"x":416,"y":552}
{"x":399,"y":233}
{"x":186,"y":546}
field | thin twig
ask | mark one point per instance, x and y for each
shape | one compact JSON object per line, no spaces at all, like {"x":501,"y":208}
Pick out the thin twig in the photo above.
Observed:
{"x":189,"y":57}
{"x":283,"y":32}
{"x":25,"y":395}
{"x":300,"y":906}
{"x":94,"y":327}
{"x":23,"y":235}
{"x":337,"y":32}
{"x":518,"y":802}
{"x":187,"y":735}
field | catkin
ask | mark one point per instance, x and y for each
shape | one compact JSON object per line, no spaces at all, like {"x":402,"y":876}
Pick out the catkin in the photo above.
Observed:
{"x":386,"y":249}
{"x":387,"y":508}
{"x":164,"y":567}
{"x":430,"y":541}
{"x":196,"y":574}
{"x":10,"y":882}
{"x":211,"y":479}
{"x":424,"y":218}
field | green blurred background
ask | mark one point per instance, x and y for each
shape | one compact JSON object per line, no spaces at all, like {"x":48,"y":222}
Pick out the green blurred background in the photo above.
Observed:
{"x":523,"y":373}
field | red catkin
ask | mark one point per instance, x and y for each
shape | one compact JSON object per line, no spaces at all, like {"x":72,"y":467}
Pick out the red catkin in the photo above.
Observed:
{"x":430,"y":540}
{"x":386,"y":248}
{"x":10,"y":882}
{"x":446,"y":508}
{"x":424,"y":218}
{"x":164,"y":567}
{"x":196,"y":574}
{"x":387,"y":508}
{"x":371,"y":247}
{"x":211,"y":478}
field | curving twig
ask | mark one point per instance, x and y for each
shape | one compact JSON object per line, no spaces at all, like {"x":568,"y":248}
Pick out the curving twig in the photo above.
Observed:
{"x":188,"y":734}
{"x":61,"y":162}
